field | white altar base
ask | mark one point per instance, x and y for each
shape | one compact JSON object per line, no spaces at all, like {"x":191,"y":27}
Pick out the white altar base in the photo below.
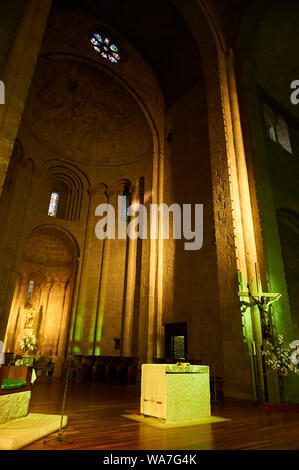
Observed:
{"x":175,"y":394}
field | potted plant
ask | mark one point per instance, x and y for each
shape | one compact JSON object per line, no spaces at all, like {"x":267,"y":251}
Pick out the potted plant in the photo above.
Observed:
{"x":28,"y":345}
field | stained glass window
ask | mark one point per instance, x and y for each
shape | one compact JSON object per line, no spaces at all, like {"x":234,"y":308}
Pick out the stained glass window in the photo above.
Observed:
{"x":125,"y":205}
{"x":105,"y":47}
{"x":30,"y":289}
{"x":53,"y":206}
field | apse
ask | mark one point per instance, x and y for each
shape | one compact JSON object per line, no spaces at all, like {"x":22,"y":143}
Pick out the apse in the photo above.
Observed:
{"x":43,"y":292}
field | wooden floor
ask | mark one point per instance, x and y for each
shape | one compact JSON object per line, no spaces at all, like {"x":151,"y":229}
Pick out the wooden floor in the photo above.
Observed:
{"x":95,"y":422}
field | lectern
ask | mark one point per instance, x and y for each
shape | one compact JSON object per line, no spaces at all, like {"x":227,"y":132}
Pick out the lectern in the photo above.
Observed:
{"x":175,"y":393}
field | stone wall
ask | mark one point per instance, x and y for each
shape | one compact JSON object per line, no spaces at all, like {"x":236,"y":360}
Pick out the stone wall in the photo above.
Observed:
{"x":190,"y":277}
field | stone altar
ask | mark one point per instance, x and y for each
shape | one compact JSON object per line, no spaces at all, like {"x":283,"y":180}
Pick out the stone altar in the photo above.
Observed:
{"x":175,"y":393}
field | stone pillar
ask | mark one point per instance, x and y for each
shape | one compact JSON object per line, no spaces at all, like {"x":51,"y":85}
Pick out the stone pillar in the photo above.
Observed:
{"x":227,"y":216}
{"x":103,"y":281}
{"x":127,"y":330}
{"x":17,"y":74}
{"x":228,"y":232}
{"x":12,"y":326}
{"x":152,"y":302}
{"x":85,"y":310}
{"x":247,"y":220}
{"x":45,"y":298}
{"x":159,"y":329}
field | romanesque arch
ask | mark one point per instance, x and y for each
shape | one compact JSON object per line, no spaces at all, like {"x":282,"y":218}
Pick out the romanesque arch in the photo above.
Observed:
{"x":43,"y":293}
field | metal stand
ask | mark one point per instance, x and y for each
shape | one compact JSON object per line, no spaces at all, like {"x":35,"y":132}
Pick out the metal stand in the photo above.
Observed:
{"x":215,"y":387}
{"x":60,"y":437}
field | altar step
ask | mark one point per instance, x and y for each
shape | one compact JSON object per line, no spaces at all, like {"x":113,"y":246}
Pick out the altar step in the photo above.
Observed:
{"x":20,"y":432}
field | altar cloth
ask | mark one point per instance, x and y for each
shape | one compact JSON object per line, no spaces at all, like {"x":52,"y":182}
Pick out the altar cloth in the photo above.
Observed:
{"x":14,"y":406}
{"x":175,"y":393}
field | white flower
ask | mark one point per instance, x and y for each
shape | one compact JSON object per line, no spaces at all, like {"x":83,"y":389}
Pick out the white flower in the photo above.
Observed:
{"x":28,"y":343}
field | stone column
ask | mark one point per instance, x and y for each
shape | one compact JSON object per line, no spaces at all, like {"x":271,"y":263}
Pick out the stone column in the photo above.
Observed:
{"x":250,"y":248}
{"x":17,"y":74}
{"x":127,"y":330}
{"x":45,"y":302}
{"x":85,"y":310}
{"x":102,"y":286}
{"x":12,"y":325}
{"x":152,"y":302}
{"x":228,"y":228}
{"x":159,"y":328}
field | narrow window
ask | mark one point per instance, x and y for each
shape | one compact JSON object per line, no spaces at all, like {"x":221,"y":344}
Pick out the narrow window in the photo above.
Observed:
{"x":126,"y":195}
{"x":2,"y":92}
{"x":29,"y":293}
{"x":277,"y":128}
{"x":270,"y":120}
{"x":53,"y":206}
{"x":283,"y":134}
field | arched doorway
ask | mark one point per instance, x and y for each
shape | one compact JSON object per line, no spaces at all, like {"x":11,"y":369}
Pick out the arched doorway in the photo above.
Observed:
{"x":43,"y":294}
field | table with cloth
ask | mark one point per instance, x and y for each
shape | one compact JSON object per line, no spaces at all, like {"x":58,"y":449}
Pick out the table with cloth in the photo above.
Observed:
{"x":175,"y":393}
{"x":15,"y":392}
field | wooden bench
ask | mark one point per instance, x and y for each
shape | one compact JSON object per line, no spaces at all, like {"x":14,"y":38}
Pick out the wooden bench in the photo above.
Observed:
{"x":118,"y":370}
{"x":109,"y":369}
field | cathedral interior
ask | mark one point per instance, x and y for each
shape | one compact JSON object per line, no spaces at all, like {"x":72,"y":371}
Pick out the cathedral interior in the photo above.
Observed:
{"x":168,"y":102}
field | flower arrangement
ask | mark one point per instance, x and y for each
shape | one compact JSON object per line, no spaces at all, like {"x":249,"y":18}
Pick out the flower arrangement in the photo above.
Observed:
{"x":28,"y":343}
{"x":278,"y":357}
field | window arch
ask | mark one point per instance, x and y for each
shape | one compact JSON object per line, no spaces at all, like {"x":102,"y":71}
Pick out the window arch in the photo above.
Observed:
{"x":59,"y":197}
{"x":71,"y":184}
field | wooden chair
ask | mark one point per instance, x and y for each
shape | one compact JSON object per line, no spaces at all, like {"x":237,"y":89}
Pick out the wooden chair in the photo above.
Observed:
{"x":44,"y":368}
